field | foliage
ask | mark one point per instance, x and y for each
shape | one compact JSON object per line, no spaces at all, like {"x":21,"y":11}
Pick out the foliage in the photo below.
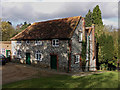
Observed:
{"x":106,"y":38}
{"x":107,"y":48}
{"x":93,"y":17}
{"x":97,"y":19}
{"x":9,"y":22}
{"x":107,"y":53}
{"x":118,"y":46}
{"x":24,"y":26}
{"x":7,"y":30}
{"x":83,"y":55}
{"x":101,"y":80}
{"x":88,"y":19}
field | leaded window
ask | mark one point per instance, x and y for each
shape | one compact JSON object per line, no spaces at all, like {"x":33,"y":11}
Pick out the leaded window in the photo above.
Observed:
{"x":38,"y":55}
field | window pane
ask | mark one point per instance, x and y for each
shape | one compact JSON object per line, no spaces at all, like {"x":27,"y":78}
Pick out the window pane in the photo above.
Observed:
{"x":77,"y":58}
{"x":18,"y":42}
{"x":3,"y":51}
{"x":37,"y":56}
{"x":57,"y":40}
{"x":80,"y":36}
{"x":53,"y":42}
{"x":36,"y":42}
{"x":40,"y":42}
{"x":27,"y":41}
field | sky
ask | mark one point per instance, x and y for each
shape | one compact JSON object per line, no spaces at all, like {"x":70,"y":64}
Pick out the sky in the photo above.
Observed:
{"x":18,"y":11}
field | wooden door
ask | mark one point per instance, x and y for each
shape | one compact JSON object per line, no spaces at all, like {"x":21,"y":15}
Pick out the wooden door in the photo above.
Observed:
{"x":53,"y":61}
{"x":28,"y":58}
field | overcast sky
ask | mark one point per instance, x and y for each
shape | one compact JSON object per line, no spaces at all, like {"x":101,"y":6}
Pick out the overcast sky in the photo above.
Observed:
{"x":18,"y":11}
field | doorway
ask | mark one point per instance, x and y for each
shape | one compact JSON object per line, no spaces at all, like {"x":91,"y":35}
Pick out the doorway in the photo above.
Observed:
{"x":53,"y":61}
{"x":28,"y":58}
{"x":8,"y":55}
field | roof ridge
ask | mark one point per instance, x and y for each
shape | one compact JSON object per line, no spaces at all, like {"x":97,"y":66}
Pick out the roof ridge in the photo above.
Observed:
{"x":55,"y":19}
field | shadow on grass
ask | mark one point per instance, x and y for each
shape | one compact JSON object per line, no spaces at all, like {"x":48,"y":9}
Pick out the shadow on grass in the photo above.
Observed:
{"x":102,"y":80}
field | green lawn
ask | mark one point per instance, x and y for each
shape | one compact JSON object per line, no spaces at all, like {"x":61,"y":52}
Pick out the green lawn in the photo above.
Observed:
{"x":102,"y":80}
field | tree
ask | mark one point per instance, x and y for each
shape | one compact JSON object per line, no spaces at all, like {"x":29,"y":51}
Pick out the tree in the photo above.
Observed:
{"x":119,"y":46}
{"x":25,"y":23}
{"x":7,"y":31}
{"x":106,"y":39}
{"x":93,"y":18}
{"x":24,"y":26}
{"x":106,"y":50}
{"x":97,"y":18}
{"x":9,"y":22}
{"x":88,"y":19}
{"x":21,"y":27}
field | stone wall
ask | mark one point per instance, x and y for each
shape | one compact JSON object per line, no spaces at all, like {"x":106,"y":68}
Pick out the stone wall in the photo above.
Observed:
{"x":46,"y":49}
{"x":76,"y":48}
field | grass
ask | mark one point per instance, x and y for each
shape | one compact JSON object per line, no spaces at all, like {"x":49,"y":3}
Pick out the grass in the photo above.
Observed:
{"x":101,"y":80}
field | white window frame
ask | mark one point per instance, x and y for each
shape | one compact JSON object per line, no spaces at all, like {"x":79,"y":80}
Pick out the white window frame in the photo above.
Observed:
{"x":28,"y":42}
{"x":56,"y":43}
{"x":19,"y":42}
{"x":19,"y":54}
{"x":39,"y":54}
{"x":77,"y":58}
{"x":80,"y":36}
{"x":3,"y":50}
{"x":38,"y":42}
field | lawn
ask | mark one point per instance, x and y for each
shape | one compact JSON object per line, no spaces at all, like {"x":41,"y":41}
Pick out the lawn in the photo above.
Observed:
{"x":101,"y":80}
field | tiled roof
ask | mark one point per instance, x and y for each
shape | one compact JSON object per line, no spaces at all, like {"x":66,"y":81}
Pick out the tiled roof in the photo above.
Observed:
{"x":59,"y":28}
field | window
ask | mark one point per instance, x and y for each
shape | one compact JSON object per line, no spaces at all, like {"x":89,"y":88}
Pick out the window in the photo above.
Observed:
{"x":38,"y":56}
{"x":77,"y":58}
{"x":55,"y":42}
{"x":18,"y":42}
{"x":80,"y":36}
{"x":3,"y":50}
{"x":18,"y":53}
{"x":37,"y":42}
{"x":27,"y":42}
{"x":14,"y":53}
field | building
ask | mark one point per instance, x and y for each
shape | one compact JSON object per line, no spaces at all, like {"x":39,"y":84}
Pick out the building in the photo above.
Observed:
{"x":5,"y":48}
{"x":56,"y":44}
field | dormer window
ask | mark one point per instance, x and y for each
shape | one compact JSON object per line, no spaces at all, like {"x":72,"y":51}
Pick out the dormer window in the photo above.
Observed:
{"x":27,"y":42}
{"x":18,"y":42}
{"x":38,"y":42}
{"x":55,"y":42}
